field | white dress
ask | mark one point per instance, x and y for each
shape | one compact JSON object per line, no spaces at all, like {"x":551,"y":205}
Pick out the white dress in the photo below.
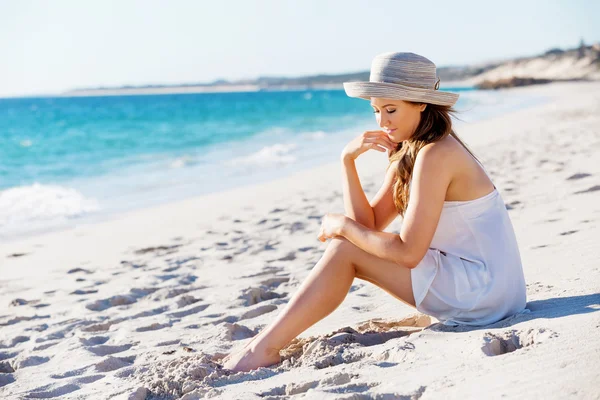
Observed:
{"x":472,"y":272}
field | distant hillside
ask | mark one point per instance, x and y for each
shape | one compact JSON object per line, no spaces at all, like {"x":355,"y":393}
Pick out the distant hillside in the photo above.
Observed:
{"x":582,"y":62}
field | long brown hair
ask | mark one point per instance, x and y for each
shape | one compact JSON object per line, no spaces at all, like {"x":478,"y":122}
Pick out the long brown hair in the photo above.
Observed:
{"x":435,"y":125}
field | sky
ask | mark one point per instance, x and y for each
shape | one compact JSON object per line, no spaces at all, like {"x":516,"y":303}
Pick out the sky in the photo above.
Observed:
{"x":49,"y":47}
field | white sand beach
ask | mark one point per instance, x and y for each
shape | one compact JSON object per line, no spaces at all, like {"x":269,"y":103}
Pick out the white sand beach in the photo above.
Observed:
{"x":141,"y":306}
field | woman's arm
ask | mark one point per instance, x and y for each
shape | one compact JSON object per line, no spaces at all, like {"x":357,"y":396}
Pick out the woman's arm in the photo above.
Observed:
{"x":431,"y":177}
{"x":356,"y":205}
{"x":386,"y":245}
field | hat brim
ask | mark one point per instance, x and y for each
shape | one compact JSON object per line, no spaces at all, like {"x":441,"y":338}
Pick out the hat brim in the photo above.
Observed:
{"x":366,"y":90}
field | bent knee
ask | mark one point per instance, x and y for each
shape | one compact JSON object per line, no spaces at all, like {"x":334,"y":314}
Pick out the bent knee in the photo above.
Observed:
{"x":342,"y":246}
{"x":339,"y":241}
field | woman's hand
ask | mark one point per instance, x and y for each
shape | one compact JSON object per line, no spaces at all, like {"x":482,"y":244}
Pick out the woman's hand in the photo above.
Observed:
{"x":331,"y":226}
{"x":377,"y":140}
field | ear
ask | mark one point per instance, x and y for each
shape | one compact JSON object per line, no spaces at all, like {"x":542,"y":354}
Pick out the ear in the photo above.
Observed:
{"x":422,"y":107}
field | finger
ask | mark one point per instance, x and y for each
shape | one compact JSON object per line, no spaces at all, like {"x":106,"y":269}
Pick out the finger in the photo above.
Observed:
{"x":386,"y":137}
{"x":377,"y":147}
{"x":383,"y":141}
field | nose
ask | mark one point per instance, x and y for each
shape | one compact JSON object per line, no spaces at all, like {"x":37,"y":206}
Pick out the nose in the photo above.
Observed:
{"x":383,"y":122}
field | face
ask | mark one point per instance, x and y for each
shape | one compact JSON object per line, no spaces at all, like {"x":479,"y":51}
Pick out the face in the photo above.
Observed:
{"x":398,"y":118}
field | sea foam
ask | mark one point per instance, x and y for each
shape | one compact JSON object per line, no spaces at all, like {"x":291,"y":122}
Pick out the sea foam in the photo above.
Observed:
{"x":26,"y":208}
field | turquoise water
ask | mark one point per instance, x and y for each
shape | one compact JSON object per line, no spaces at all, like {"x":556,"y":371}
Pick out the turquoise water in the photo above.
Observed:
{"x":63,"y":158}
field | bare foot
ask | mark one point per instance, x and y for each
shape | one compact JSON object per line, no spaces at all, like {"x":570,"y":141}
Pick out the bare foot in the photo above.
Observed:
{"x":246,"y":346}
{"x":251,"y":357}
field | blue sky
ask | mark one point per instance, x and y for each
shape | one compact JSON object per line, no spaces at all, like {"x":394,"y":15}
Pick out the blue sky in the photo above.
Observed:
{"x":52,"y":46}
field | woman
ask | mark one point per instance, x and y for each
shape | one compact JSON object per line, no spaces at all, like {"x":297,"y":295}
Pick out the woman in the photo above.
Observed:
{"x":456,"y":257}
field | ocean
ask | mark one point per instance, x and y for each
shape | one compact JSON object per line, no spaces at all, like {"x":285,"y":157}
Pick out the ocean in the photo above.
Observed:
{"x":70,"y":159}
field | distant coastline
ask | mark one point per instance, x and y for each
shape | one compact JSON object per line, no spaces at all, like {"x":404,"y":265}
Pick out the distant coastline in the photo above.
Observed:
{"x":192,"y":89}
{"x":580,"y":63}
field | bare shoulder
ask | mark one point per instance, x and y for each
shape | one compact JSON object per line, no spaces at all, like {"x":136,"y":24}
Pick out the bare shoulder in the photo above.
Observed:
{"x":438,"y":153}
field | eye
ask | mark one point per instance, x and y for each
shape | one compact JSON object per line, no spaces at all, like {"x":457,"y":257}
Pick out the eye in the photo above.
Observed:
{"x":389,"y":112}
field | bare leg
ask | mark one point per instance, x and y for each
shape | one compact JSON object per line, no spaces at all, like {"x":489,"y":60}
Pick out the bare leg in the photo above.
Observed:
{"x":320,"y":294}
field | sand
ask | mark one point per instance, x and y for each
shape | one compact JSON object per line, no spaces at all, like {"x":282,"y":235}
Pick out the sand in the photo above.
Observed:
{"x":143,"y":305}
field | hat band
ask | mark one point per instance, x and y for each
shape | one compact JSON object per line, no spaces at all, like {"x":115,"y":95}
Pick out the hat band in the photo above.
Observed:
{"x":436,"y":86}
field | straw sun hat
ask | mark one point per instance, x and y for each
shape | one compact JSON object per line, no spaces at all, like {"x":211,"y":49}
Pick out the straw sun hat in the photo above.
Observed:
{"x":402,"y":76}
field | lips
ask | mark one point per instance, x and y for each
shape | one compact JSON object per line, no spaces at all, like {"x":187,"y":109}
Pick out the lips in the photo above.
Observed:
{"x":389,"y":131}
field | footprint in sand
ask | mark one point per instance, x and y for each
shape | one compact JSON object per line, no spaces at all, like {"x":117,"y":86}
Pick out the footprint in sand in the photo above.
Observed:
{"x":336,"y":383}
{"x":512,"y":204}
{"x":50,"y":391}
{"x":18,"y":319}
{"x":291,"y":256}
{"x":159,"y":250}
{"x":16,"y":340}
{"x":112,"y":363}
{"x":81,"y":292}
{"x":166,"y":277}
{"x":364,"y":308}
{"x":236,"y":332}
{"x":578,"y":176}
{"x":567,"y":233}
{"x":168,"y":343}
{"x":168,"y":293}
{"x":147,"y":313}
{"x":101,"y":327}
{"x":290,"y":228}
{"x":187,"y":279}
{"x":120,"y":300}
{"x":94,"y":340}
{"x":6,"y":368}
{"x":16,"y":255}
{"x":290,"y":389}
{"x":28,"y":361}
{"x":272,"y":283}
{"x":45,"y":346}
{"x":267,"y":246}
{"x":509,"y":341}
{"x":541,"y":246}
{"x":268,"y":270}
{"x":88,"y":379}
{"x":38,"y":328}
{"x":255,"y":295}
{"x":69,"y":374}
{"x":267,"y":308}
{"x":230,"y":319}
{"x":186,"y":300}
{"x":305,"y":249}
{"x":18,"y":302}
{"x":189,"y":311}
{"x":75,"y":270}
{"x":104,"y":350}
{"x":153,"y":327}
{"x":591,"y":189}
